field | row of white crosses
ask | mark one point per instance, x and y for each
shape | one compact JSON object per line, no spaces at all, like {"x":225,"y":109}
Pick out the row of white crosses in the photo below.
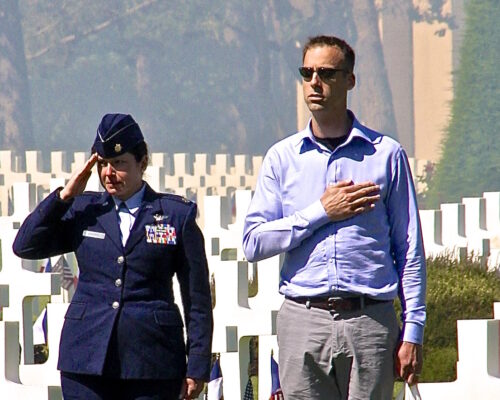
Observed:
{"x":467,"y":229}
{"x":471,"y":227}
{"x":237,"y":317}
{"x":192,"y":176}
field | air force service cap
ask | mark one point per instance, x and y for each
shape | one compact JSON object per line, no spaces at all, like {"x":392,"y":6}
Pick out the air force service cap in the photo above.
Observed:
{"x":116,"y":134}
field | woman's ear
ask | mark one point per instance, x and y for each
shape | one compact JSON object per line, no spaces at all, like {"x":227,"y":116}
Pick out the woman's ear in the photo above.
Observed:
{"x":144,"y":163}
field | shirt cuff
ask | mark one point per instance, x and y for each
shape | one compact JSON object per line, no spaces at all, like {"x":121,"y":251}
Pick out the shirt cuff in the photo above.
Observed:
{"x":413,"y":333}
{"x":315,"y":215}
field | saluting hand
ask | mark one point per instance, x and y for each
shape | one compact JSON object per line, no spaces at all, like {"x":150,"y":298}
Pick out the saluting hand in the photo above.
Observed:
{"x":346,"y":199}
{"x":77,"y":183}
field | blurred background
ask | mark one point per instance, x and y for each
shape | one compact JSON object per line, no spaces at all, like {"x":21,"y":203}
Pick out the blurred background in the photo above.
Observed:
{"x":221,"y":76}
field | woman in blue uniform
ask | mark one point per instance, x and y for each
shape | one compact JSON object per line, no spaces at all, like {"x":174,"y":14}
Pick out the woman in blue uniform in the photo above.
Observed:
{"x":123,"y":334}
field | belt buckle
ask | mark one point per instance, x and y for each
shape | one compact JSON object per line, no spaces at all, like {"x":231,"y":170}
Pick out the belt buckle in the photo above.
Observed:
{"x":334,"y":302}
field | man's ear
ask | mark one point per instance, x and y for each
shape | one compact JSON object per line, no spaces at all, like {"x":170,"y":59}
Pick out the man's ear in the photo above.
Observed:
{"x":351,"y":81}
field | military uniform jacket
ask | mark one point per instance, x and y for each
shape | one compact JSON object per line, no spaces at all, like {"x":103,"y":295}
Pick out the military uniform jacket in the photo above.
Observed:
{"x":122,"y":320}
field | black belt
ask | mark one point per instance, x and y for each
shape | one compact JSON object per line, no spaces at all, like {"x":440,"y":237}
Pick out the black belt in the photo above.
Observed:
{"x":337,"y":303}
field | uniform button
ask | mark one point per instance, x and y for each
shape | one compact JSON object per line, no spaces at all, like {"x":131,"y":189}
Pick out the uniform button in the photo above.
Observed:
{"x":118,"y":282}
{"x":120,"y":260}
{"x":115,"y":305}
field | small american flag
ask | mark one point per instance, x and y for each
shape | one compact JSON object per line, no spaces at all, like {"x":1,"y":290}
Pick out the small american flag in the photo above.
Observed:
{"x":248,"y":390}
{"x":276,"y":393}
{"x":62,"y":266}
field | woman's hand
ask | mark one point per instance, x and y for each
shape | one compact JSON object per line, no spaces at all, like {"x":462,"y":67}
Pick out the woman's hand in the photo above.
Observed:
{"x":191,"y":388}
{"x":77,"y":183}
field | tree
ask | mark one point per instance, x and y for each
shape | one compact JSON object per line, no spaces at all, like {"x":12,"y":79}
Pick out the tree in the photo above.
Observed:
{"x":198,"y":76}
{"x":15,"y":109}
{"x":378,"y":112}
{"x":470,"y":164}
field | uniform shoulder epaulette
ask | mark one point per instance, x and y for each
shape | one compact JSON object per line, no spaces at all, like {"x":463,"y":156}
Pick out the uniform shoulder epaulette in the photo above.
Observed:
{"x":175,"y":197}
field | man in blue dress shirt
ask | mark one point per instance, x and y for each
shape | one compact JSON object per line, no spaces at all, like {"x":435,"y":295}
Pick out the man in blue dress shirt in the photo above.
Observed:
{"x":338,"y":199}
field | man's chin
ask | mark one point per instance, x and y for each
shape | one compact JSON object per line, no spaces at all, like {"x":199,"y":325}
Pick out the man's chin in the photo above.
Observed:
{"x":313,"y":105}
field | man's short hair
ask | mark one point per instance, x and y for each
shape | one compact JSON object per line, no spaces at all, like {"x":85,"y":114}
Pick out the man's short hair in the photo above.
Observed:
{"x":331,"y":41}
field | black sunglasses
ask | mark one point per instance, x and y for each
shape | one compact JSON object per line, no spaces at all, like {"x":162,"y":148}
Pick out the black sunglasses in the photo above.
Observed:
{"x":324,"y":73}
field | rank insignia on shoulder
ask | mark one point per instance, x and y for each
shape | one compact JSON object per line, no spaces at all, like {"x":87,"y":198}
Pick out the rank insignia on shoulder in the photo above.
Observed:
{"x":161,"y":234}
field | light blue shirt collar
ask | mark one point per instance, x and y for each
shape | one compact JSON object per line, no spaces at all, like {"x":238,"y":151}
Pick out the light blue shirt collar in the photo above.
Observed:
{"x":133,"y":202}
{"x":306,"y":141}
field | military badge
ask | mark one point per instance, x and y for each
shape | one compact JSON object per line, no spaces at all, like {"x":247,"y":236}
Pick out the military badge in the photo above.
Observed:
{"x":159,"y":217}
{"x":118,"y":147}
{"x":161,"y":234}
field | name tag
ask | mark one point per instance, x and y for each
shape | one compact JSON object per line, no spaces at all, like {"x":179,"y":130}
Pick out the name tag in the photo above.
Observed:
{"x":95,"y":235}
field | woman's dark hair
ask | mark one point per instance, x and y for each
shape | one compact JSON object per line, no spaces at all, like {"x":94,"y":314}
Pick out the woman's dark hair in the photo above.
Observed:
{"x":139,"y":151}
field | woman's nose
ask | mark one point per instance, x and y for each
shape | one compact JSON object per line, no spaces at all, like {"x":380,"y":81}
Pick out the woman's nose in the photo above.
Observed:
{"x":108,"y":170}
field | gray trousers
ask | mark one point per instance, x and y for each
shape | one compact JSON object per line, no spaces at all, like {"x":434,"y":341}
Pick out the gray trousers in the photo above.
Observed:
{"x":338,"y":356}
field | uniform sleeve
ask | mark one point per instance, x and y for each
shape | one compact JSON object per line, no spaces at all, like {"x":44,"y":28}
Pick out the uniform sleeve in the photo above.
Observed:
{"x":408,"y":249}
{"x":46,"y":232}
{"x":197,"y":302}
